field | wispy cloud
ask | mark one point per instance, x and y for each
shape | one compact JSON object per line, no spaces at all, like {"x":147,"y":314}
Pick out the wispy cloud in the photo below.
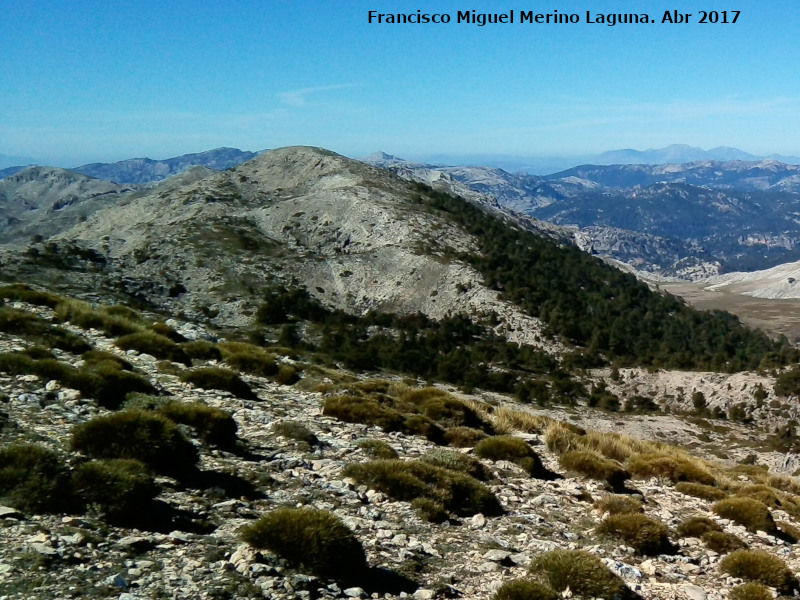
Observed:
{"x":299,"y":97}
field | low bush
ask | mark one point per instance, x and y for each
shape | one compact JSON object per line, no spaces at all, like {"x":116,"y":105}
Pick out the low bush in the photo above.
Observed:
{"x":618,"y":504}
{"x":646,"y":535}
{"x":761,"y":567}
{"x":39,"y":331}
{"x":82,"y":314}
{"x":523,"y":589}
{"x":294,"y":430}
{"x":119,"y":488}
{"x":407,"y":480}
{"x":249,"y":359}
{"x":443,"y":408}
{"x":583,"y":573}
{"x":139,"y":435}
{"x":750,"y":591}
{"x":747,"y":512}
{"x":463,"y":437}
{"x":455,"y":461}
{"x":699,"y":490}
{"x":98,"y":356}
{"x":216,"y":378}
{"x":722,"y":542}
{"x":168,"y":332}
{"x":769,"y":496}
{"x":595,"y":466}
{"x":696,"y":527}
{"x":675,"y":469}
{"x":789,"y":532}
{"x":358,"y":409}
{"x":430,"y":510}
{"x":149,"y":342}
{"x":202,"y":350}
{"x":314,"y":539}
{"x":212,"y":425}
{"x":22,"y":292}
{"x":516,"y":450}
{"x":33,"y":479}
{"x":377,"y":449}
{"x":287,"y":375}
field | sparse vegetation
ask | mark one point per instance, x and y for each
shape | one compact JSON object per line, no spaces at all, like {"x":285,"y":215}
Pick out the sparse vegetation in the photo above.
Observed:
{"x":377,"y":449}
{"x":722,"y":542}
{"x":595,"y":466}
{"x":119,"y":489}
{"x":202,"y":350}
{"x":33,"y":479}
{"x":523,"y":589}
{"x":516,"y":450}
{"x":617,"y":504}
{"x":676,"y":469}
{"x":761,"y":567}
{"x":646,"y":535}
{"x":463,"y":437}
{"x":747,"y":512}
{"x":750,"y":591}
{"x":212,"y":425}
{"x":310,"y":538}
{"x":154,"y":344}
{"x":455,"y":461}
{"x":697,"y":527}
{"x":296,"y":431}
{"x":702,"y":491}
{"x":455,"y":492}
{"x":583,"y":573}
{"x":217,"y":378}
{"x":139,"y":435}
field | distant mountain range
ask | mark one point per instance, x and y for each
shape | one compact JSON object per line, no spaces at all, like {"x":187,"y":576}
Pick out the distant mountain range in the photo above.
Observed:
{"x":686,"y":220}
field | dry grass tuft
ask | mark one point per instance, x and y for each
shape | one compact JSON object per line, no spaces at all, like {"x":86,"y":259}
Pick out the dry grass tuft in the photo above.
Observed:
{"x":750,"y":514}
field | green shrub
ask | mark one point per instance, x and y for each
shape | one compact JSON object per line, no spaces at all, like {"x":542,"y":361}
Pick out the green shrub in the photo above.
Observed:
{"x":215,"y":378}
{"x":750,"y":591}
{"x":294,"y":430}
{"x":789,"y":532}
{"x":98,"y":356}
{"x":618,"y":504}
{"x":408,"y":480}
{"x":123,"y":312}
{"x":760,"y":567}
{"x":249,"y":359}
{"x":21,"y":292}
{"x":119,"y":489}
{"x":430,"y":510}
{"x":422,"y":426}
{"x":33,"y":479}
{"x":463,"y":437}
{"x":769,"y":496}
{"x":751,"y":514}
{"x":646,"y":535}
{"x":722,"y":542}
{"x":213,"y":425}
{"x":82,"y":314}
{"x":699,"y":490}
{"x":594,"y":465}
{"x":443,"y":408}
{"x":36,"y":329}
{"x":670,"y":467}
{"x":523,"y":589}
{"x":140,"y":435}
{"x":583,"y":573}
{"x":455,"y":461}
{"x":288,"y":375}
{"x":377,"y":449}
{"x":202,"y":350}
{"x":697,"y":526}
{"x":40,"y":352}
{"x":149,"y":342}
{"x":357,"y":409}
{"x":314,"y":539}
{"x":16,"y":363}
{"x":168,"y":332}
{"x":516,"y":450}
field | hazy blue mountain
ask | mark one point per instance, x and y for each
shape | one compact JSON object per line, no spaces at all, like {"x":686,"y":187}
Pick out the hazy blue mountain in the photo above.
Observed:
{"x":147,"y":170}
{"x":13,"y":161}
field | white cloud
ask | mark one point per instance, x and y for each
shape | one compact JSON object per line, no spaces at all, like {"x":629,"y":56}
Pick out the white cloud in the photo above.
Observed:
{"x":297,"y":98}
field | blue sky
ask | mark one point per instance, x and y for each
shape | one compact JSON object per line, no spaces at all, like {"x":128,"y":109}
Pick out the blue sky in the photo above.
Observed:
{"x":91,"y":80}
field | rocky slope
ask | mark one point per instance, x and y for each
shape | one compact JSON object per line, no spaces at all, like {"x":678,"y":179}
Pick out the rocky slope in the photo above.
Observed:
{"x":46,"y":200}
{"x":197,"y":552}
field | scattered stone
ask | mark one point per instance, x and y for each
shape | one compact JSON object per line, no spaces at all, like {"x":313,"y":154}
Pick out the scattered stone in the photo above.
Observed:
{"x":694,"y":592}
{"x":6,"y":512}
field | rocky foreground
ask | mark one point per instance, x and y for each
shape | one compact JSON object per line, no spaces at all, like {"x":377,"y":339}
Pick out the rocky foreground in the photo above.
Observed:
{"x":196,"y":551}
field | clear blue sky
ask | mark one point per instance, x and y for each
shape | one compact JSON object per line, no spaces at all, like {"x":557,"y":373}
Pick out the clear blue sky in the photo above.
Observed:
{"x":91,"y":80}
